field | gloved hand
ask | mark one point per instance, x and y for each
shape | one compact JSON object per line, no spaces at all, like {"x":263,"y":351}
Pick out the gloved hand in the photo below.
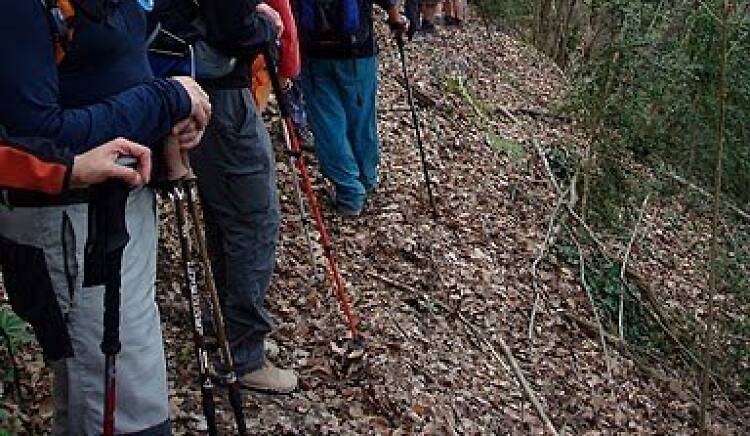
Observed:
{"x":295,"y":106}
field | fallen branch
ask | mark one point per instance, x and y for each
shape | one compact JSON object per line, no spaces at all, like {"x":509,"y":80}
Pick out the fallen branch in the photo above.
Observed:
{"x":542,"y":251}
{"x":520,"y":377}
{"x":516,"y":369}
{"x":541,"y":114}
{"x":507,"y":113}
{"x":745,"y":215}
{"x":592,"y":329}
{"x":584,"y":285}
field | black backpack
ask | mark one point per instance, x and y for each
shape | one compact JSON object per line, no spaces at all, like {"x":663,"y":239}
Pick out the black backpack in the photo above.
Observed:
{"x":178,"y":44}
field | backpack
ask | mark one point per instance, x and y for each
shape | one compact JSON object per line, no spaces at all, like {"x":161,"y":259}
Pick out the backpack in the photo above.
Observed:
{"x":177,"y":45}
{"x":334,"y":21}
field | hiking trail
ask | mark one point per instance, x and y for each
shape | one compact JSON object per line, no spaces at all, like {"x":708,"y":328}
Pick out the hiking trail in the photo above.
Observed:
{"x":438,"y":299}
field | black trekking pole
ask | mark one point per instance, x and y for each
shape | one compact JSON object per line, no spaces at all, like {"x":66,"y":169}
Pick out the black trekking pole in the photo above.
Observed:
{"x":107,"y":238}
{"x":178,"y":195}
{"x":230,"y":377}
{"x":400,"y":43}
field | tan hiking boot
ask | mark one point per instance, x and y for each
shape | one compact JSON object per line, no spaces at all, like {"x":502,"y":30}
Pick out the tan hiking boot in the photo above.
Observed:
{"x":271,"y":347}
{"x":270,"y":379}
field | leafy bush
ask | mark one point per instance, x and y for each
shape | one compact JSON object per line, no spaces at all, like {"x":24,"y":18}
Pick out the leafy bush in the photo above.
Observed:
{"x":15,"y":333}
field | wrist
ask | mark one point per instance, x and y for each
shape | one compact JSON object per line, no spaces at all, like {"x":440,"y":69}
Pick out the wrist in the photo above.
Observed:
{"x":74,"y":178}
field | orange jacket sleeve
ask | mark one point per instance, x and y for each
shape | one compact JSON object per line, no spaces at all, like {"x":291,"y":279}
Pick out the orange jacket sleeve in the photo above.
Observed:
{"x":289,"y":56}
{"x":20,"y":168}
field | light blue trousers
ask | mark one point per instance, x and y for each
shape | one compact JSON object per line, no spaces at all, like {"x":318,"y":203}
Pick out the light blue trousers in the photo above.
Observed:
{"x":340,"y":97}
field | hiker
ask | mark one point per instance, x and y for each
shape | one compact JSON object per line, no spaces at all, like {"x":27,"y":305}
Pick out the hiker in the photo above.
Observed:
{"x":413,"y":14}
{"x":236,"y":177}
{"x":101,"y":89}
{"x":339,"y":82}
{"x":454,"y":12}
{"x":429,"y":15}
{"x":36,"y":165}
{"x":289,"y":62}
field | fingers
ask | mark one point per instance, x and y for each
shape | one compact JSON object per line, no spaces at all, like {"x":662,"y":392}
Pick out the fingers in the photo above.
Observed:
{"x":100,"y":164}
{"x":188,"y":133}
{"x":177,"y":167}
{"x":125,"y":174}
{"x":143,"y":155}
{"x":200,"y":105}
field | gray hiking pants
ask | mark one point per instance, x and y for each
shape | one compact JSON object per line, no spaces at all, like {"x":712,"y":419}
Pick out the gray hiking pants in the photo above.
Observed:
{"x":236,"y":173}
{"x":58,"y":235}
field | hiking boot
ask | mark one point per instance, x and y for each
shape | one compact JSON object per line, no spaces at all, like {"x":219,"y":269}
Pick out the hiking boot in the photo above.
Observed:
{"x":271,"y":348}
{"x":347,"y":212}
{"x":428,"y":28}
{"x":451,"y":21}
{"x":329,"y":193}
{"x":270,"y":379}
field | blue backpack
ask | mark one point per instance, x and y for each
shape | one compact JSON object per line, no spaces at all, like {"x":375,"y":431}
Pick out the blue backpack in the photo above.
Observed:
{"x":333,"y":20}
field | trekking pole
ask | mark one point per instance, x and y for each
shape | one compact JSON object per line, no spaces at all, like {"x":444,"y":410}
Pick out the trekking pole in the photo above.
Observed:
{"x":230,"y":378}
{"x":188,"y":183}
{"x":107,"y":238}
{"x":400,"y":43}
{"x":178,"y":194}
{"x":303,"y":215}
{"x":298,"y":161}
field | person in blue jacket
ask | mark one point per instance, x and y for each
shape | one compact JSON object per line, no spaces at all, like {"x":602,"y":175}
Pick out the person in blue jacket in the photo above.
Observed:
{"x":100,"y":89}
{"x":339,"y":81}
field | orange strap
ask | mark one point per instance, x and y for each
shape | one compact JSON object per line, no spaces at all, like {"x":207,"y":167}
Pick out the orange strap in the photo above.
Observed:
{"x":22,"y":170}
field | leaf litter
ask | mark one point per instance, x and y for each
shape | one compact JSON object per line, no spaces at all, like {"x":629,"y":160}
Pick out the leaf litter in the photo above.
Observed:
{"x":411,"y":279}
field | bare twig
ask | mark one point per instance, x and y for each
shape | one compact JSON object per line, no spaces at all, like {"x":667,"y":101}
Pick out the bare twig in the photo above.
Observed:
{"x":541,"y":114}
{"x":519,"y":376}
{"x":585,"y":287}
{"x":542,"y":251}
{"x":743,"y":214}
{"x":714,"y":251}
{"x":507,"y":113}
{"x":621,"y":327}
{"x":507,"y":352}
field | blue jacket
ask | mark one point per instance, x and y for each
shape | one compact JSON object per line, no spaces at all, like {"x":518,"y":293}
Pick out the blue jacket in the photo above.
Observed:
{"x":104,"y":88}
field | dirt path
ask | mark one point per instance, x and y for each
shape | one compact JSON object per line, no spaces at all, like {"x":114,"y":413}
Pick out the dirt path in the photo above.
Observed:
{"x":426,"y":371}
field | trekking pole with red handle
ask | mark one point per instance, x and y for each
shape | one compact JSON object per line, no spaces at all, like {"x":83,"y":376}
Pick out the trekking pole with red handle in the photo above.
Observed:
{"x":107,"y":238}
{"x":294,"y":149}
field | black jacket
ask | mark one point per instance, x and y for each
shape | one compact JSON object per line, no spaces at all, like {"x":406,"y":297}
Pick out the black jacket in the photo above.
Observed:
{"x":233,"y":27}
